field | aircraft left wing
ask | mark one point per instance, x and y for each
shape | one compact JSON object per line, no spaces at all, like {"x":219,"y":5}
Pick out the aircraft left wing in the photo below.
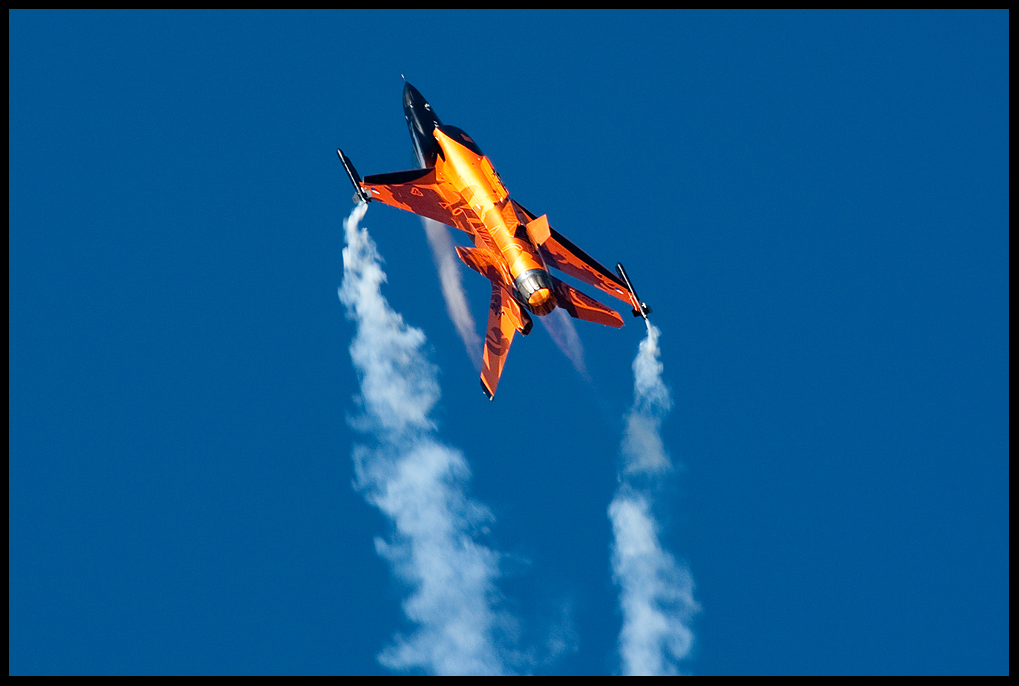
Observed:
{"x":415,"y":191}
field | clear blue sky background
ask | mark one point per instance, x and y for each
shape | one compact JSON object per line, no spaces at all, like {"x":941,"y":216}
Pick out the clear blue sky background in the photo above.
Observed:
{"x":815,"y":204}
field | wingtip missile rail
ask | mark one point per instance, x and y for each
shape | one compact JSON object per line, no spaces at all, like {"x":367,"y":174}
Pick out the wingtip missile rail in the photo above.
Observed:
{"x":640,"y":308}
{"x":360,"y":194}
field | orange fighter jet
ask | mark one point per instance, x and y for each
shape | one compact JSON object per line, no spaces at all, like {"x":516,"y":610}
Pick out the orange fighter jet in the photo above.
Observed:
{"x":458,"y":186}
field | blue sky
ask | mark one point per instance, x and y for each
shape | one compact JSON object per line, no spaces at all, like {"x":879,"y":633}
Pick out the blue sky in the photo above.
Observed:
{"x":814,"y":204}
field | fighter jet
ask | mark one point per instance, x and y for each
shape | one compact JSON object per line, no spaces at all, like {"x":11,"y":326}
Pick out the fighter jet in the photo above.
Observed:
{"x":513,"y":248}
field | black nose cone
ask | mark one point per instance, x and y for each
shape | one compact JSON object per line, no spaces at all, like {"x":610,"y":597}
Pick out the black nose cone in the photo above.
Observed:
{"x":412,"y":98}
{"x":421,"y":121}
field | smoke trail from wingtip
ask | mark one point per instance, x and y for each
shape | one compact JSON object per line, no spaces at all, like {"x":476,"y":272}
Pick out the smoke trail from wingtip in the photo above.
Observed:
{"x":656,"y":592}
{"x":453,"y":291}
{"x":419,"y":483}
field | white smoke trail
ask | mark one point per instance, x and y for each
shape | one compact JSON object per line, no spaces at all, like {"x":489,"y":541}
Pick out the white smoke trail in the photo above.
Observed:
{"x":564,"y":334}
{"x":453,"y":291}
{"x":656,"y":593}
{"x":419,"y":483}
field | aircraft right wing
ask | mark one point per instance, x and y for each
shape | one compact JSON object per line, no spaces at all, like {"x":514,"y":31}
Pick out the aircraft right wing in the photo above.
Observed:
{"x":560,"y":252}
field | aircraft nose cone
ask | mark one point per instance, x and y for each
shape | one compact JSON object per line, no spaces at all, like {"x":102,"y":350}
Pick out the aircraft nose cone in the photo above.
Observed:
{"x":416,"y":107}
{"x":421,"y":121}
{"x":412,"y":98}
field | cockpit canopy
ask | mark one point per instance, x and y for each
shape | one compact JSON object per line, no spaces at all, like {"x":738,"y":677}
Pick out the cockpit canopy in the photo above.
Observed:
{"x":461,"y":137}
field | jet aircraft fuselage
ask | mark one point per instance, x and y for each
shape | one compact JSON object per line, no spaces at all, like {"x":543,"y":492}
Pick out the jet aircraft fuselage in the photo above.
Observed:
{"x":458,"y":186}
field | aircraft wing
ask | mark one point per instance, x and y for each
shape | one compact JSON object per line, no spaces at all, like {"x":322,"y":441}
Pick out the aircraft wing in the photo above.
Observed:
{"x":560,"y":252}
{"x":414,"y":191}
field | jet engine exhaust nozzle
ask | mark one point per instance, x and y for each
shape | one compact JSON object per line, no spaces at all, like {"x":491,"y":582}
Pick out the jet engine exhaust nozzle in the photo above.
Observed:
{"x":537,"y":291}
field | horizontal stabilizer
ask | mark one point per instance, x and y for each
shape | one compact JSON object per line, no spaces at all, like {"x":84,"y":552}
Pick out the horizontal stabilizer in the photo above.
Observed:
{"x":560,"y":252}
{"x":481,"y":262}
{"x":582,"y":306}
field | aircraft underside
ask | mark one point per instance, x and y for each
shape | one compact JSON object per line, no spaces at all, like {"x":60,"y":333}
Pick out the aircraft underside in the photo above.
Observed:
{"x":458,"y":186}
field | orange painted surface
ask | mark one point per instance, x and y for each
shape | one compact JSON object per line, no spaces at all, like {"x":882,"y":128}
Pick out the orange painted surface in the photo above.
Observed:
{"x":463,"y":190}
